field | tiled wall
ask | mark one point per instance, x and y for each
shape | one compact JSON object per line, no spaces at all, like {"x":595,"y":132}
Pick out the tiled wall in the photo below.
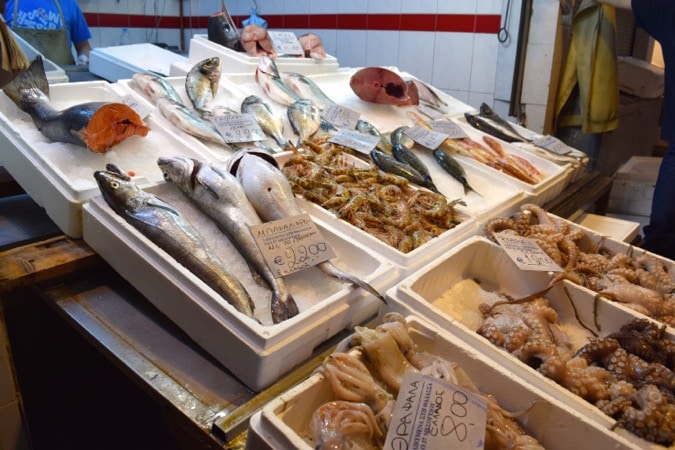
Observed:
{"x":451,"y":44}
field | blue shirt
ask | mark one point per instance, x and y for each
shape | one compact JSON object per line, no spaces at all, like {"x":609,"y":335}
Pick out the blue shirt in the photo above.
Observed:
{"x":44,"y":15}
{"x":657,"y":17}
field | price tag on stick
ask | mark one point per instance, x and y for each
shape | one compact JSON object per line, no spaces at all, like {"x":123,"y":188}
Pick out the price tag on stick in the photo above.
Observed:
{"x":291,"y":244}
{"x":526,"y":253}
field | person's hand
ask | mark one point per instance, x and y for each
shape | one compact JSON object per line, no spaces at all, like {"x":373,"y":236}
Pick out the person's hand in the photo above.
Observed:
{"x":82,"y":60}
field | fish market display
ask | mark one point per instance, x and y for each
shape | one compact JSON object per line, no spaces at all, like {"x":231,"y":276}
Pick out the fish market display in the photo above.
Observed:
{"x":169,"y":230}
{"x":384,"y":205}
{"x":202,"y":81}
{"x":425,"y":95}
{"x":365,"y":375}
{"x":628,"y":375}
{"x":270,"y":193}
{"x":97,"y":126}
{"x":305,"y":118}
{"x":380,"y":85}
{"x":305,"y":87}
{"x":389,"y":164}
{"x":189,"y":121}
{"x":253,"y":38}
{"x":488,"y":113}
{"x":269,"y":121}
{"x":405,"y":155}
{"x":363,"y":126}
{"x":640,"y":282}
{"x":448,"y":163}
{"x":268,"y":77}
{"x":220,"y":196}
{"x":312,"y":46}
{"x":156,"y":87}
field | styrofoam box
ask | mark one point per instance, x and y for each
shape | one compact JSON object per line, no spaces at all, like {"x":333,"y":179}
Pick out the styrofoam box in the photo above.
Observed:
{"x":256,"y":353}
{"x":241,"y":62}
{"x":448,"y":292}
{"x":633,"y":186}
{"x":640,"y":78}
{"x":122,"y":61}
{"x":59,"y":176}
{"x":618,"y":229}
{"x":284,"y":422}
{"x":55,"y":74}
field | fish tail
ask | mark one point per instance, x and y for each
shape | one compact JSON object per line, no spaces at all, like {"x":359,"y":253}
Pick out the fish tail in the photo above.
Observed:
{"x":283,"y":307}
{"x":33,"y":78}
{"x":329,"y":269}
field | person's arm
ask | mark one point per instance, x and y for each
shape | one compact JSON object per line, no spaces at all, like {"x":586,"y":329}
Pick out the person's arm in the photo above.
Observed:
{"x":82,"y":48}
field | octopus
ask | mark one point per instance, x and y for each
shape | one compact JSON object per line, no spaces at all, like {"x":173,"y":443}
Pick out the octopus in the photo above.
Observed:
{"x":345,"y":425}
{"x":383,"y":205}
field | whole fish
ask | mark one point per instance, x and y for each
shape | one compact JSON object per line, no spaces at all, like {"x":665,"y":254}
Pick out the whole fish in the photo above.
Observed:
{"x":305,"y":118}
{"x":202,"y":81}
{"x":483,"y":125}
{"x":155,"y":87}
{"x":267,"y":76}
{"x":398,"y":136}
{"x":450,"y":165}
{"x":488,"y":113}
{"x":306,"y":88}
{"x":97,"y":126}
{"x":363,"y":126}
{"x":389,"y":164}
{"x":189,"y":121}
{"x":220,"y":196}
{"x":270,"y":193}
{"x":173,"y":233}
{"x":406,"y":156}
{"x":268,"y":120}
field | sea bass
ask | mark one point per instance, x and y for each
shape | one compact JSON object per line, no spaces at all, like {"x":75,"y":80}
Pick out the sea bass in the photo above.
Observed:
{"x":168,"y":229}
{"x":202,"y":81}
{"x":270,"y":193}
{"x":155,"y":87}
{"x":97,"y":126}
{"x":219,"y":195}
{"x":305,"y":87}
{"x":305,"y":119}
{"x":268,"y":120}
{"x":189,"y":121}
{"x":267,"y":76}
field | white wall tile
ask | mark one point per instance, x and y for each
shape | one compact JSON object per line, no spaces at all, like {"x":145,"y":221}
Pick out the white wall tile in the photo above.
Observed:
{"x":384,"y":6}
{"x":382,"y":48}
{"x":452,"y":61}
{"x":352,"y":6}
{"x":537,"y":77}
{"x":490,"y":6}
{"x":462,"y":96}
{"x":476,"y":98}
{"x":296,"y":7}
{"x":416,"y":51}
{"x":484,"y":63}
{"x":456,"y":7}
{"x":420,"y":6}
{"x":351,"y":48}
{"x":324,"y":7}
{"x":271,"y":6}
{"x":329,"y":40}
{"x":544,"y":22}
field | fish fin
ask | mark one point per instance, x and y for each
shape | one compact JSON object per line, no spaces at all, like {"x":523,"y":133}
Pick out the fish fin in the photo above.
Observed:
{"x":329,"y":269}
{"x":157,"y":202}
{"x":203,"y":182}
{"x":114,"y":169}
{"x":33,"y":78}
{"x":283,"y":308}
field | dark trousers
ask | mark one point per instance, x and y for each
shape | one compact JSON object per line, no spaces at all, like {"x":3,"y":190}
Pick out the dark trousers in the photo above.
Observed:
{"x":660,"y":233}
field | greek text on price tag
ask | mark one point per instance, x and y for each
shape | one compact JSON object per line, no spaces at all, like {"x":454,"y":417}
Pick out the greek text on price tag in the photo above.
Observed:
{"x":361,"y":142}
{"x":552,"y":144}
{"x":291,"y":244}
{"x":141,"y":109}
{"x":286,"y":43}
{"x":526,"y":253}
{"x":434,"y":414}
{"x":341,"y":116}
{"x":238,"y":128}
{"x":450,"y":129}
{"x":427,"y":138}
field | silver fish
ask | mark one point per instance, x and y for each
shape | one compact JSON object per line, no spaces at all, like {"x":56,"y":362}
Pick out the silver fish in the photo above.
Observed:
{"x":168,"y":229}
{"x":305,"y":119}
{"x":268,"y":120}
{"x":267,"y":76}
{"x":202,"y":81}
{"x":190,"y":122}
{"x":363,"y":126}
{"x":270,"y":193}
{"x":219,"y":195}
{"x":306,"y":88}
{"x":155,"y":87}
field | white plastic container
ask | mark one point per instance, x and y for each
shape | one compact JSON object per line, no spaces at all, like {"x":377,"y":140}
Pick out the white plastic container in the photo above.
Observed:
{"x":241,"y":62}
{"x":283,"y":423}
{"x":448,"y":292}
{"x":633,"y":186}
{"x":122,"y":61}
{"x":256,"y":353}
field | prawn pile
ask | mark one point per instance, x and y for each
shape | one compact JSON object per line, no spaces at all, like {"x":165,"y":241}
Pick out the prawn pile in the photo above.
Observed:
{"x":365,"y":376}
{"x":384,"y":205}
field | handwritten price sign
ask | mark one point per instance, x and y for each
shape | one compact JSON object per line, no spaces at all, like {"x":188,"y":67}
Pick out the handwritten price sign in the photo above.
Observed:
{"x":526,"y":253}
{"x":237,"y":128}
{"x":292,"y":244}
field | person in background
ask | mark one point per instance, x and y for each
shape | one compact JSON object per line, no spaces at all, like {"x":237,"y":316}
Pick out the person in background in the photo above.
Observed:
{"x":12,"y":58}
{"x":657,"y":17}
{"x":51,"y":26}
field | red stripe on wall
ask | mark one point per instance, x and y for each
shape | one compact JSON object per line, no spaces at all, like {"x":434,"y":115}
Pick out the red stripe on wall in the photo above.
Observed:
{"x":459,"y":23}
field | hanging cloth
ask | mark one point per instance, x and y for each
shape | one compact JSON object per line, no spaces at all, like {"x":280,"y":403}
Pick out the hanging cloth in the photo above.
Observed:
{"x":588,"y":93}
{"x":53,"y":44}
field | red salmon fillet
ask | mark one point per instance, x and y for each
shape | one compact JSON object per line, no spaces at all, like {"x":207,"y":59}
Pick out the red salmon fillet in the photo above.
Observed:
{"x":111,"y":124}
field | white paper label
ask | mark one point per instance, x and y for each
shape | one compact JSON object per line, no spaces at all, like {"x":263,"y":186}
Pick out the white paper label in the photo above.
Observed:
{"x":433,"y":414}
{"x":341,"y":117}
{"x":291,"y":244}
{"x":238,"y":128}
{"x":430,"y":112}
{"x":141,"y":108}
{"x":361,"y":142}
{"x":526,"y":253}
{"x":552,"y":144}
{"x":286,"y":43}
{"x":426,"y":138}
{"x":450,"y":129}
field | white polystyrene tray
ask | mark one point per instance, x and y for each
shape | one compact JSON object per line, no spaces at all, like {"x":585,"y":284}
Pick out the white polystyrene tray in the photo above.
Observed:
{"x":241,"y":62}
{"x":284,"y":422}
{"x":121,"y":61}
{"x":59,"y":176}
{"x":257,"y":353}
{"x":448,"y":291}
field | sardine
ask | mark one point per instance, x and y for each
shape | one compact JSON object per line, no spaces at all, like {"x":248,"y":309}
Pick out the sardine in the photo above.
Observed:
{"x":162,"y":224}
{"x":450,"y":165}
{"x":156,"y":87}
{"x":389,"y":164}
{"x":406,"y":156}
{"x":363,"y":126}
{"x":306,"y":88}
{"x":202,"y":81}
{"x":268,"y":120}
{"x":97,"y":126}
{"x":486,"y":127}
{"x":270,"y":193}
{"x":220,"y":196}
{"x":267,"y":76}
{"x":305,"y":119}
{"x":189,"y":121}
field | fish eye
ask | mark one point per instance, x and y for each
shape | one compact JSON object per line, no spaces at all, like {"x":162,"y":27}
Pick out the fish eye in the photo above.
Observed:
{"x":166,"y":175}
{"x":114,"y":184}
